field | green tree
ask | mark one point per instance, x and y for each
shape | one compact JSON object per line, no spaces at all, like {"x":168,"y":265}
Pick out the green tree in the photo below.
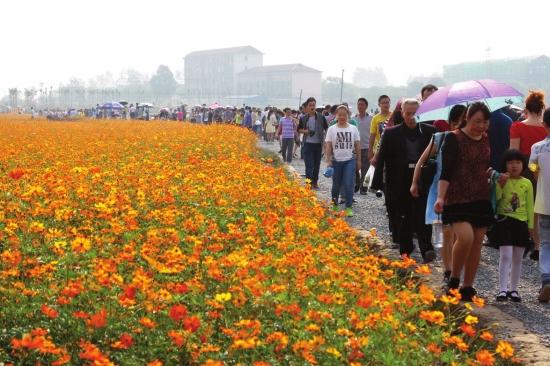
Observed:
{"x":163,"y":83}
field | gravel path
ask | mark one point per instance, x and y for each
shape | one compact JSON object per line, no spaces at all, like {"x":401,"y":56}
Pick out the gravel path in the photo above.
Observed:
{"x":370,"y":212}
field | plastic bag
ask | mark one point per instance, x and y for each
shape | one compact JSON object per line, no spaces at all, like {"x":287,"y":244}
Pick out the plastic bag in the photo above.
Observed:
{"x":368,"y":178}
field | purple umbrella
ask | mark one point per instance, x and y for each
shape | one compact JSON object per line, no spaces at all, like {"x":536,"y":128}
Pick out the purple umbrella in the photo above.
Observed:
{"x":495,"y":94}
{"x":112,"y":105}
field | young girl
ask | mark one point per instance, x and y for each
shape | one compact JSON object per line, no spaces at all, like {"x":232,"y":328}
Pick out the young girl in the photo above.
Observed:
{"x":514,"y":226}
{"x":342,"y":149}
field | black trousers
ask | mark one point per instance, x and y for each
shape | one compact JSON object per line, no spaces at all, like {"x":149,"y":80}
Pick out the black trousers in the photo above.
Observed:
{"x":408,"y":216}
{"x":287,"y":149}
{"x":312,"y":158}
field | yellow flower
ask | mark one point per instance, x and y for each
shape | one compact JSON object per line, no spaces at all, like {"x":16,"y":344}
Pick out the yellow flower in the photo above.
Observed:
{"x":470,"y":320}
{"x":81,"y":245}
{"x":333,"y":351}
{"x":505,"y":349}
{"x":223,"y":297}
{"x":313,"y":328}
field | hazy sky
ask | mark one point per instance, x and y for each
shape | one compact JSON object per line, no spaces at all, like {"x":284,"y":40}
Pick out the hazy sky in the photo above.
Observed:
{"x":53,"y":41}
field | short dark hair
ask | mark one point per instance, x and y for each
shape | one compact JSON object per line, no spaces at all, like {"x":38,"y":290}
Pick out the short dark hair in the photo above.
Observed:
{"x":309,"y":100}
{"x":333,"y":109}
{"x":363,"y":100}
{"x":286,"y":109}
{"x":546,"y":117}
{"x":427,"y":87}
{"x":383,"y":96}
{"x":511,"y":155}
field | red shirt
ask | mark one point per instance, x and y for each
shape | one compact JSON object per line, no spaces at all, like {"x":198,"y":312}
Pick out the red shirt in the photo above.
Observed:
{"x":527,"y":135}
{"x":441,"y":125}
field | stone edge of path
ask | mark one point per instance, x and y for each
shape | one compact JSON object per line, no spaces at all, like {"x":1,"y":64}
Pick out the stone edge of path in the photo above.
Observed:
{"x":531,"y":350}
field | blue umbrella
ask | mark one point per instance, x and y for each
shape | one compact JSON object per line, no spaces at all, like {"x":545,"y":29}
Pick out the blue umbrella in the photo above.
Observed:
{"x":112,"y":105}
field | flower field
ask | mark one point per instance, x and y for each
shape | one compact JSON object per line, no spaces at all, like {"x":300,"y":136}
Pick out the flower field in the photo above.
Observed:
{"x":133,"y":243}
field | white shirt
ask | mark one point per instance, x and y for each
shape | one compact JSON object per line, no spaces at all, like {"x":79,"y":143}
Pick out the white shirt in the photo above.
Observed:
{"x":540,"y":156}
{"x":343,"y":141}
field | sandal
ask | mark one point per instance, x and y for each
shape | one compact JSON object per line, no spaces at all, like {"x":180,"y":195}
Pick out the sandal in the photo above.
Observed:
{"x":502,"y":296}
{"x":514,"y":296}
{"x":467,"y":293}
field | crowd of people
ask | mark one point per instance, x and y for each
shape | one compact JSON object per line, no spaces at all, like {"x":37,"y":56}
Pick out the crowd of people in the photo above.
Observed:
{"x":479,"y":177}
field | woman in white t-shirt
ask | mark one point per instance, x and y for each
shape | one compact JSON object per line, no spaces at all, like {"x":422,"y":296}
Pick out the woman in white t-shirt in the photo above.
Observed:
{"x":342,"y":149}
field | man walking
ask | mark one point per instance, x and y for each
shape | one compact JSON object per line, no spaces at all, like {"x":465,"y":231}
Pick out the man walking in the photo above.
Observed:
{"x":313,"y":125}
{"x":400,"y":149}
{"x":363,"y":120}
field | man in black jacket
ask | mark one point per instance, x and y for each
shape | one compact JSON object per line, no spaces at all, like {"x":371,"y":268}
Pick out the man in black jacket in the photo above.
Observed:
{"x":400,"y":149}
{"x":313,"y":125}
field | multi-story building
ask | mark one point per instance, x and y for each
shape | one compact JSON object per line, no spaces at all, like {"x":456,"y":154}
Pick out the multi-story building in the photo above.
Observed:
{"x":212,"y":74}
{"x":281,"y":84}
{"x":527,"y":72}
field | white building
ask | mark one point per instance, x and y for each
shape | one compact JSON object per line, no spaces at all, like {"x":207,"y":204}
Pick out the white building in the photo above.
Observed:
{"x":212,"y":74}
{"x":281,"y":84}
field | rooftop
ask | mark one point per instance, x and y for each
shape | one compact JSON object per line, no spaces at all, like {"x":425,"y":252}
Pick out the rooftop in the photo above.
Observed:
{"x":499,"y":60}
{"x":279,"y":68}
{"x":224,"y":51}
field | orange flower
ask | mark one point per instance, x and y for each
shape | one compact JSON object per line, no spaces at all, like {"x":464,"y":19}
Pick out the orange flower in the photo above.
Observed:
{"x":211,"y":362}
{"x":426,"y":294}
{"x":16,"y":173}
{"x":146,"y":322}
{"x":468,"y":330}
{"x":485,"y":358}
{"x":98,"y":320}
{"x":487,"y":336}
{"x":124,"y":342}
{"x":181,"y":288}
{"x":434,"y":348}
{"x":191,"y":324}
{"x":423,"y":269}
{"x":155,"y":363}
{"x":177,"y":337}
{"x":64,"y":359}
{"x":364,"y":301}
{"x":48,"y":311}
{"x":92,"y":353}
{"x":436,"y":316}
{"x":177,"y":312}
{"x":478,"y":301}
{"x":80,"y":315}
